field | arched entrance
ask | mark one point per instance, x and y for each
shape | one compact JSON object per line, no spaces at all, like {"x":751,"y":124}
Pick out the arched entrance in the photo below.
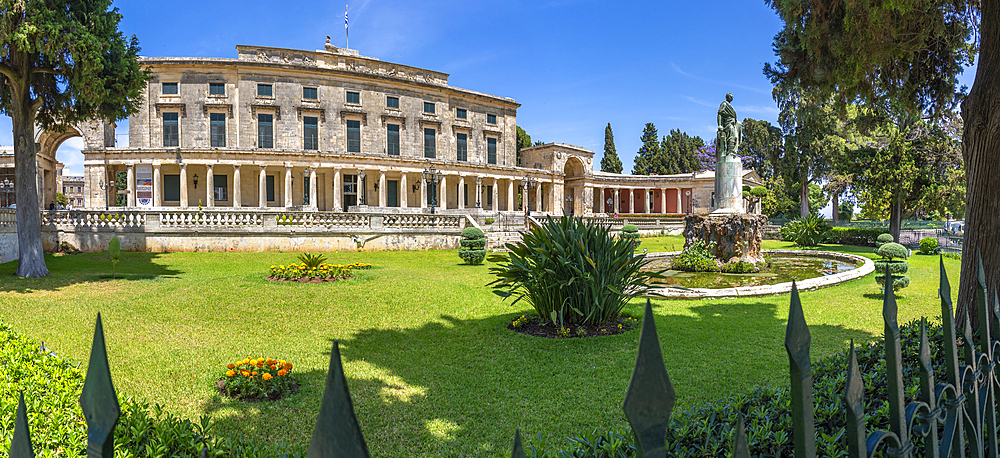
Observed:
{"x":96,"y":135}
{"x":575,"y":173}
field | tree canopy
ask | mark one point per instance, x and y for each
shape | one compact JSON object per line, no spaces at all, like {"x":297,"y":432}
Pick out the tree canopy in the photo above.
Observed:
{"x":62,"y":62}
{"x":610,"y":162}
{"x":678,"y":152}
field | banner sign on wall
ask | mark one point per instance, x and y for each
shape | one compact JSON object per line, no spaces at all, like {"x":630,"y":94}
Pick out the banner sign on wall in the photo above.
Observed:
{"x":144,"y":185}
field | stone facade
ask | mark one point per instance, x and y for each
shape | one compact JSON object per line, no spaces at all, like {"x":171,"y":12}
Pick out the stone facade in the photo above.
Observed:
{"x":71,"y":186}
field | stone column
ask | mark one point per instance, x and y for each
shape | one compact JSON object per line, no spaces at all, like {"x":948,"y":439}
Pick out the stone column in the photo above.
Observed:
{"x":157,"y":186}
{"x":538,"y":197}
{"x":184,"y":186}
{"x":510,"y":196}
{"x":461,"y":193}
{"x":383,"y":195}
{"x":288,"y":187}
{"x":338,"y":190}
{"x":262,"y":187}
{"x":496,"y":195}
{"x":313,"y":195}
{"x":443,"y":193}
{"x":210,"y":187}
{"x":680,"y":206}
{"x":237,"y":187}
{"x":328,"y":191}
{"x":130,"y":201}
{"x":663,"y":200}
{"x":404,"y":191}
{"x":423,"y":193}
{"x":617,"y":203}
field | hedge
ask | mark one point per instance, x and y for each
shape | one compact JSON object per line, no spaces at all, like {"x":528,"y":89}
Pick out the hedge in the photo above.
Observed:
{"x":858,"y":236}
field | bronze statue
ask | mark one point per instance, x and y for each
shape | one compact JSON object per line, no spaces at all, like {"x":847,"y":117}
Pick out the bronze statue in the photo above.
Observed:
{"x":728,"y":137}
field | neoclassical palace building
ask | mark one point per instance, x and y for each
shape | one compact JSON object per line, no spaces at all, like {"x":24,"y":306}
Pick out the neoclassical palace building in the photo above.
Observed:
{"x":331,"y":130}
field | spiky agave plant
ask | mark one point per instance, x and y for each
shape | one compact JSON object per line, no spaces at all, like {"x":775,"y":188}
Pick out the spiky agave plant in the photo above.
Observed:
{"x":312,"y":261}
{"x":574,"y":272}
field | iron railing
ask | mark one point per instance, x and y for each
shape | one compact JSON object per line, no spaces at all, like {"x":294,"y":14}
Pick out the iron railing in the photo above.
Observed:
{"x":947,"y":417}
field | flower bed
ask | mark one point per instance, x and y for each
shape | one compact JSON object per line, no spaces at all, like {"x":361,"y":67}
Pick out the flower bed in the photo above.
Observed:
{"x":258,"y":380}
{"x":322,"y":273}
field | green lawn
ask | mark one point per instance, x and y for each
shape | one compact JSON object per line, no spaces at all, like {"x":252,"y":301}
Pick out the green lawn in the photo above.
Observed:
{"x":431,"y":367}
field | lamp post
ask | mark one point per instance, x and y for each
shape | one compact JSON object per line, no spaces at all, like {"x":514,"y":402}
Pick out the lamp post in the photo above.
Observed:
{"x":610,"y":208}
{"x":688,"y":194}
{"x":527,"y":183}
{"x":104,"y":187}
{"x":362,"y":201}
{"x":479,"y":192}
{"x":432,"y":176}
{"x":305,"y":187}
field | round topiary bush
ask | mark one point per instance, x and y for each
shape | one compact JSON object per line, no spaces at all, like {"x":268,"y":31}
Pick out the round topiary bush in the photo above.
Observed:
{"x":929,"y":245}
{"x":893,"y":259}
{"x":882,"y":239}
{"x":630,"y":231}
{"x":473,"y":245}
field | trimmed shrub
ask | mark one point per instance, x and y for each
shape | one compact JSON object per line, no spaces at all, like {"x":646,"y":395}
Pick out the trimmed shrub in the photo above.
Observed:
{"x":631,"y":232}
{"x":709,"y":430}
{"x":929,"y":245}
{"x":893,"y":255}
{"x":473,"y":246}
{"x":858,"y":236}
{"x":808,"y":231}
{"x":573,"y":272}
{"x":697,"y":257}
{"x":883,"y":239}
{"x":739,"y":267}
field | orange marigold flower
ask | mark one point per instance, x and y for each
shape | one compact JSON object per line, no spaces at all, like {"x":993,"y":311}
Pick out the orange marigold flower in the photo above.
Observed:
{"x":230,"y":366}
{"x":270,"y":361}
{"x":245,"y":373}
{"x":266,"y":376}
{"x":254,"y":372}
{"x":230,"y":373}
{"x":281,"y":363}
{"x":260,"y":363}
{"x":273,"y":367}
{"x":282,"y":372}
{"x":288,"y":366}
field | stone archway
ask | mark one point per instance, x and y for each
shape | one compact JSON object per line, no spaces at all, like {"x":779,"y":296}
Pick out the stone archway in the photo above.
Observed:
{"x":574,"y":171}
{"x":96,"y":135}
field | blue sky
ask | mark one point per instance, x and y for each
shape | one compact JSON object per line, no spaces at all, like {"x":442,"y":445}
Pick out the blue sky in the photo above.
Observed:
{"x":574,"y":65}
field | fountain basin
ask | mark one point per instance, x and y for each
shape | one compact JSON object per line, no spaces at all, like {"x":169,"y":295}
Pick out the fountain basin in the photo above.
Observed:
{"x":839,"y":274}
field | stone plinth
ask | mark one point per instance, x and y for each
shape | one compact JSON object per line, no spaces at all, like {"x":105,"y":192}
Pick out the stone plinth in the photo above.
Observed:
{"x":734,"y":235}
{"x":729,"y":186}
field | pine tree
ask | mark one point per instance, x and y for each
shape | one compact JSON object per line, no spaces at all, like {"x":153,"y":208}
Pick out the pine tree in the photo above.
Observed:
{"x":669,"y":155}
{"x":610,"y":162}
{"x":645,"y":159}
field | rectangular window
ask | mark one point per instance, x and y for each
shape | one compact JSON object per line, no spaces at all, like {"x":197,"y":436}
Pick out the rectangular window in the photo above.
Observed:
{"x":265,"y":131}
{"x":269,"y":185}
{"x":491,"y":150}
{"x":460,"y":113}
{"x":220,"y":188}
{"x":429,"y":148}
{"x":465,"y":195}
{"x":170,"y":132}
{"x":350,"y":191}
{"x":463,"y":147}
{"x":310,"y":93}
{"x":429,"y":107}
{"x":354,"y":97}
{"x":264,"y":90}
{"x":169,"y":88}
{"x":392,"y":102}
{"x":392,"y":193}
{"x":491,"y":119}
{"x":353,"y":136}
{"x":392,"y":139}
{"x":217,"y":123}
{"x":310,"y":132}
{"x":217,"y":88}
{"x":172,"y":187}
{"x":64,"y":190}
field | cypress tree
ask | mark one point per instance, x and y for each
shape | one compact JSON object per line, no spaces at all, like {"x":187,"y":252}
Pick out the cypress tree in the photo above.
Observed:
{"x":610,"y":162}
{"x":645,"y":159}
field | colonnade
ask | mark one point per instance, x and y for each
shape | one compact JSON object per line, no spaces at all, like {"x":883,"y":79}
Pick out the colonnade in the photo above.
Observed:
{"x":622,"y":200}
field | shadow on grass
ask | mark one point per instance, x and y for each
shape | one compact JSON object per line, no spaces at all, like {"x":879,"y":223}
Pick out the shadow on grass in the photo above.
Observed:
{"x":459,"y":386}
{"x":72,"y":269}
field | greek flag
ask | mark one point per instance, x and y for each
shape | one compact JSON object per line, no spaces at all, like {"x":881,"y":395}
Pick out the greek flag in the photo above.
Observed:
{"x":345,"y":17}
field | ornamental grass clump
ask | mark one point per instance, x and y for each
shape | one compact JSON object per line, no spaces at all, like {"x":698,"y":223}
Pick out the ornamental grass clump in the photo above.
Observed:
{"x":473,"y":245}
{"x":573,"y":272}
{"x":312,"y":261}
{"x":810,"y":230}
{"x":258,"y":379}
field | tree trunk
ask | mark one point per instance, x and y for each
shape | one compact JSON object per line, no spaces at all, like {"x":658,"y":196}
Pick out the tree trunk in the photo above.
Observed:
{"x":981,"y":150}
{"x":804,"y":198}
{"x":896,"y":216}
{"x":836,"y":208}
{"x":31,"y":257}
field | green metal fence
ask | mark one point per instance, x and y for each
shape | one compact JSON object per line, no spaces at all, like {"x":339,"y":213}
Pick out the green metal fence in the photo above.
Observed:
{"x":951,"y":418}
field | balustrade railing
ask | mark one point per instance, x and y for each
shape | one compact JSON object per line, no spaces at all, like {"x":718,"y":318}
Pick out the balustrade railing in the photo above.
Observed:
{"x":945,"y":419}
{"x":200,"y":218}
{"x":411,"y":221}
{"x":8,"y":218}
{"x":95,"y":218}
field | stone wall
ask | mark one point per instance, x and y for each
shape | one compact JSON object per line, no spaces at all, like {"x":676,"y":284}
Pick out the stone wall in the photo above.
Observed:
{"x":8,"y":244}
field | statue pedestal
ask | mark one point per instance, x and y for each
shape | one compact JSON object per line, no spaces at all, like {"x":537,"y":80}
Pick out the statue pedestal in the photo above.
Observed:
{"x":728,"y":186}
{"x":734,"y":235}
